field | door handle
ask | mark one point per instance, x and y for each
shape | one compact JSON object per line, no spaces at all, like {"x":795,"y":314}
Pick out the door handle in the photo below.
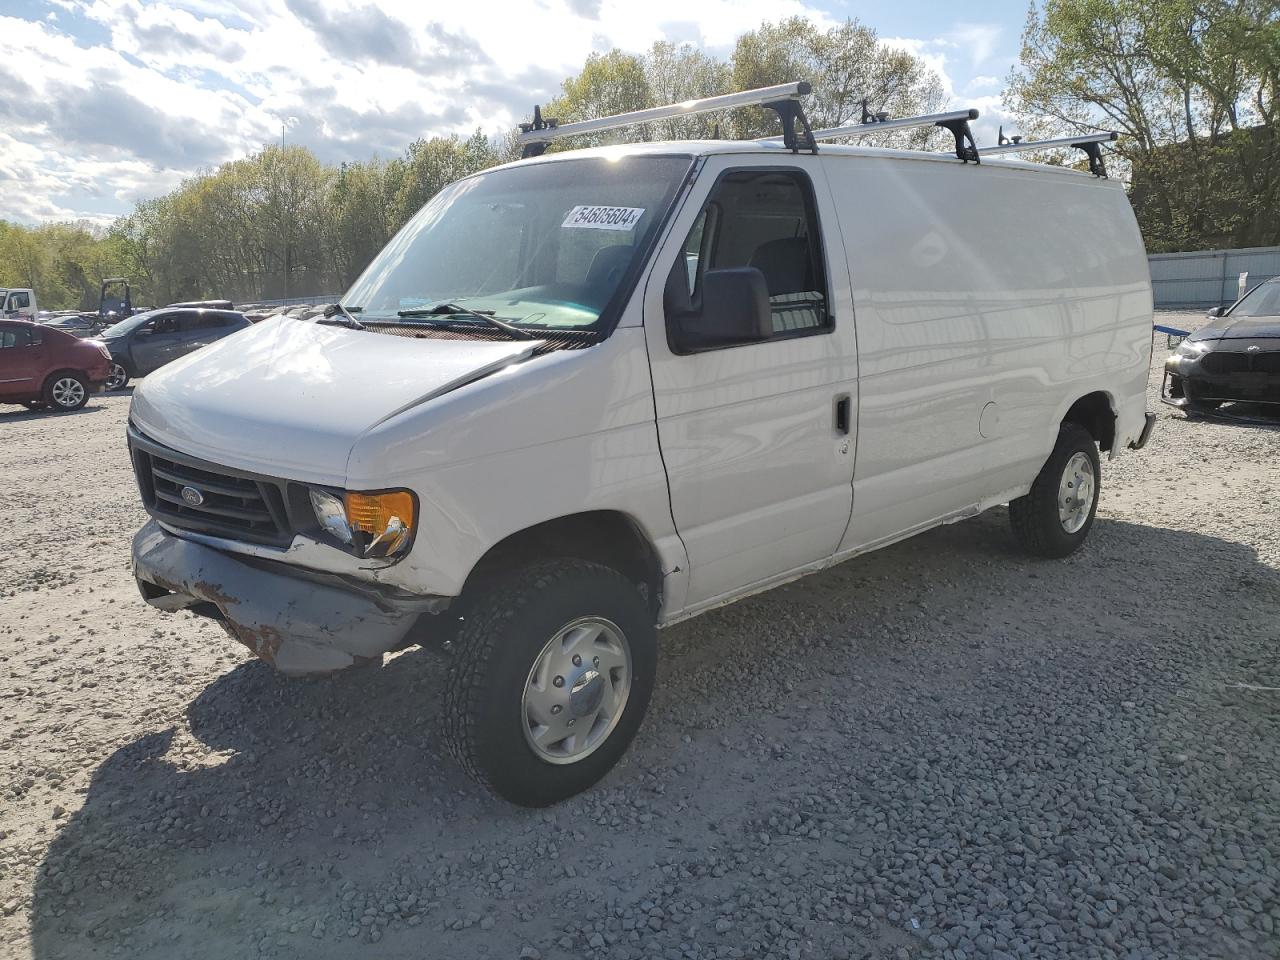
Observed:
{"x":842,"y":414}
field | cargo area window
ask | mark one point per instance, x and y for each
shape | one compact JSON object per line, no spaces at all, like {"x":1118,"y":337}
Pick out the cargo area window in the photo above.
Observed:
{"x":765,"y":220}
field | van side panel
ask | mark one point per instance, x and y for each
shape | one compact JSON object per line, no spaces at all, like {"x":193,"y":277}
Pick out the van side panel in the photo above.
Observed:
{"x":991,"y":288}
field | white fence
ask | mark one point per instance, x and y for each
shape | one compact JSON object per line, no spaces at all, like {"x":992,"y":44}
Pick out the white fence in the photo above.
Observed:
{"x":1208,"y":278}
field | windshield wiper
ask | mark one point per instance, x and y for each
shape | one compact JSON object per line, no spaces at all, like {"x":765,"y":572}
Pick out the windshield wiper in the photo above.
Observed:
{"x":334,"y":311}
{"x":449,"y":308}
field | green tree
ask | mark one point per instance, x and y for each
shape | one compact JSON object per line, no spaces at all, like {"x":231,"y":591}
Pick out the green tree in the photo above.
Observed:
{"x":610,"y":83}
{"x":431,"y":165}
{"x":846,"y":64}
{"x":675,"y":74}
{"x":1191,"y":86}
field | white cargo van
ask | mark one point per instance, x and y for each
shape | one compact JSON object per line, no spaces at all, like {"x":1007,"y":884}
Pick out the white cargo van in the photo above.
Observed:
{"x":592,"y":393}
{"x":18,"y":303}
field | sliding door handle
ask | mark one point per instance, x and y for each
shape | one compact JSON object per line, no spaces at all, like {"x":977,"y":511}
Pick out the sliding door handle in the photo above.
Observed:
{"x":843,"y":407}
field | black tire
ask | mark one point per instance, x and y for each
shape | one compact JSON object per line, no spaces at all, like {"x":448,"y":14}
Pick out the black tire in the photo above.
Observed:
{"x":61,"y":395}
{"x":124,"y":376}
{"x":507,"y":625}
{"x":1035,"y":519}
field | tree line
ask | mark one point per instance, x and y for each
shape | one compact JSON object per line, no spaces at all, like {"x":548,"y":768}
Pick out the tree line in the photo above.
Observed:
{"x":1192,"y":86}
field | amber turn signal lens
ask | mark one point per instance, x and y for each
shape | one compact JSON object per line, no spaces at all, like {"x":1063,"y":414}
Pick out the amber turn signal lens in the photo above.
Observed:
{"x":372,"y":512}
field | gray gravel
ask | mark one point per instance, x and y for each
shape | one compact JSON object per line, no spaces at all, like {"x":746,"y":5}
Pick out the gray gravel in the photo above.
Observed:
{"x":938,"y":750}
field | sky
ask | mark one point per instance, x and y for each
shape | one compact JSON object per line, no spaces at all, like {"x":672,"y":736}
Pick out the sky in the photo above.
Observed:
{"x":107,"y":102}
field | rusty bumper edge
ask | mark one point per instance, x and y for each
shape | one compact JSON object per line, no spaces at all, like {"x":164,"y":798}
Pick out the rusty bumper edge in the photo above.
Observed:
{"x":298,"y":624}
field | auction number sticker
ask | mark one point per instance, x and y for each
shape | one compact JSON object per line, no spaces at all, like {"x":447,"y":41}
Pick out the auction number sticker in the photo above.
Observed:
{"x":603,"y":218}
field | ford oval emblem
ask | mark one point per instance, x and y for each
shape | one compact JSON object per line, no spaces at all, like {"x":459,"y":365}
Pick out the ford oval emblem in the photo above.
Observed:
{"x":192,"y":496}
{"x":1253,"y":348}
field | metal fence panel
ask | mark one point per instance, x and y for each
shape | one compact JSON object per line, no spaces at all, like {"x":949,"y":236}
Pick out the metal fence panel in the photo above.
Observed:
{"x":1201,"y":279}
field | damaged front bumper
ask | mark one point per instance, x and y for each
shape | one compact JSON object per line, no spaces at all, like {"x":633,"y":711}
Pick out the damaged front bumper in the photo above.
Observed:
{"x":301,"y":622}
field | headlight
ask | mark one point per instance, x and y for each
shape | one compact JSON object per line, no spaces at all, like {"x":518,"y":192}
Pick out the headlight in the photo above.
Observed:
{"x":1192,"y":348}
{"x":332,"y":515}
{"x":371,"y":524}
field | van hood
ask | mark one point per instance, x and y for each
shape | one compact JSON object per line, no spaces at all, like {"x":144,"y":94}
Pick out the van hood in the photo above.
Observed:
{"x":289,"y":398}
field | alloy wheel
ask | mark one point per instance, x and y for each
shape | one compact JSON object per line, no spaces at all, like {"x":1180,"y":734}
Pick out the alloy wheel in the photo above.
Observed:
{"x":68,"y":392}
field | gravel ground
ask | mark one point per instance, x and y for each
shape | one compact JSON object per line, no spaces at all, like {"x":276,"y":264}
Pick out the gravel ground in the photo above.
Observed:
{"x":938,"y":750}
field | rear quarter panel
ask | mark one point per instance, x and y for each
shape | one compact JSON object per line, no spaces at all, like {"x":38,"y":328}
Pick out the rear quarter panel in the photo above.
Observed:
{"x":1003,"y":284}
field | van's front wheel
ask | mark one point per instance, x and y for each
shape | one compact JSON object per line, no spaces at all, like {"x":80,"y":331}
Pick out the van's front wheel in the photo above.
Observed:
{"x":554,"y":665}
{"x":1054,"y":518}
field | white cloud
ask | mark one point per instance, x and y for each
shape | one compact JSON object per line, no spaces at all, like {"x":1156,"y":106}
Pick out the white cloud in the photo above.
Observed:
{"x":977,"y":40}
{"x":181,"y":85}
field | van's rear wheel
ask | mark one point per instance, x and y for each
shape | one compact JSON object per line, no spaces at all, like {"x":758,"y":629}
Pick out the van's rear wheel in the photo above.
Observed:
{"x":554,"y":665}
{"x":1054,"y":518}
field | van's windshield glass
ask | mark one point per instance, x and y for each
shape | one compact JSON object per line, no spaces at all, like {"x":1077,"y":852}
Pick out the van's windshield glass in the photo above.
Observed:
{"x":545,"y":245}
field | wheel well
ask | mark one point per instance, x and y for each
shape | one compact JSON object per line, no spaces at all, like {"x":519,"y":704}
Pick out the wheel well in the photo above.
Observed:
{"x":1093,"y":412}
{"x":62,"y":372}
{"x":607,"y":537}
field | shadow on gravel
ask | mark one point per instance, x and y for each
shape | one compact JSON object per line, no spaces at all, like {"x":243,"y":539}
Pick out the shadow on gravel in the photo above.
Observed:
{"x":906,"y":736}
{"x":22,"y":413}
{"x":1264,"y":415}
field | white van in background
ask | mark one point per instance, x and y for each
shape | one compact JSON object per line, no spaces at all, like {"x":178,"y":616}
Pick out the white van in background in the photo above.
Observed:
{"x":18,"y":303}
{"x":599,"y":391}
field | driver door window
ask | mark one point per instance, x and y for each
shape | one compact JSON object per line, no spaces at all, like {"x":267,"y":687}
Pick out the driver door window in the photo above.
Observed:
{"x":765,"y":220}
{"x":160,"y":326}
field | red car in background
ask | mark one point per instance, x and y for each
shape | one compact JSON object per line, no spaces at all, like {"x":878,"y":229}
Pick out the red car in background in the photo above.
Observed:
{"x":40,"y":365}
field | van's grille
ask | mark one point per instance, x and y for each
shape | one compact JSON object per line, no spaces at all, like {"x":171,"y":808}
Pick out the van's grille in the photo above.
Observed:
{"x":219,"y":502}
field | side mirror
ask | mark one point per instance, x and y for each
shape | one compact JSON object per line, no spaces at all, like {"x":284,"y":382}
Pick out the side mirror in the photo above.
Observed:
{"x":732,"y":308}
{"x":1216,"y":312}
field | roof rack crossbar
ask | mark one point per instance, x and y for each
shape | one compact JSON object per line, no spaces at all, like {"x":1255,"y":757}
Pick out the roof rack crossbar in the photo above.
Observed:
{"x":782,"y":98}
{"x":1090,"y":145}
{"x":957,"y":121}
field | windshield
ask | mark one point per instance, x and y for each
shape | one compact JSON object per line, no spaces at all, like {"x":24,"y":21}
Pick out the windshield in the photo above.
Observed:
{"x":544,"y":245}
{"x":127,"y":325}
{"x":1262,"y":301}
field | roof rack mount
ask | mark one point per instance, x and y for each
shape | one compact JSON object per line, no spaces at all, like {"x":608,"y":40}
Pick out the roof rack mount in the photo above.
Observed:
{"x":783,"y":98}
{"x":1089,"y":144}
{"x":957,"y":121}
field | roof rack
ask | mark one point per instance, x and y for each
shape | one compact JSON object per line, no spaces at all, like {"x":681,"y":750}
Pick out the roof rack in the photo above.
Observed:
{"x":957,"y":121}
{"x":783,"y":99}
{"x":1090,"y":144}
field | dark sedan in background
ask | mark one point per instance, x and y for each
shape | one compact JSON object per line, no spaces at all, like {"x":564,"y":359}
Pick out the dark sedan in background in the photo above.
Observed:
{"x":1234,"y":357}
{"x":147,"y":341}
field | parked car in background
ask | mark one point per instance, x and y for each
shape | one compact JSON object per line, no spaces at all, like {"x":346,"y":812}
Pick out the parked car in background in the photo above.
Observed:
{"x":147,"y":341}
{"x":1236,"y":356}
{"x":79,"y":325}
{"x":40,"y":365}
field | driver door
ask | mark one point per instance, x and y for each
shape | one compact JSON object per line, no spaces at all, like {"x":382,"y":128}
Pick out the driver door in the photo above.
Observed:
{"x":155,"y":343}
{"x":758,"y":438}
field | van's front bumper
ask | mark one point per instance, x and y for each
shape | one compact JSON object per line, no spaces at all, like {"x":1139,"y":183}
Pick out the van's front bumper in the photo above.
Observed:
{"x":299,"y":621}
